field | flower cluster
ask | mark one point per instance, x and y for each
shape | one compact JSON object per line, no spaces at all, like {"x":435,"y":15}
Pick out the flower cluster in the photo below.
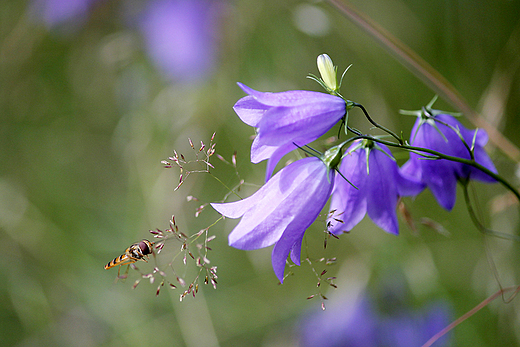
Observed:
{"x":363,"y":179}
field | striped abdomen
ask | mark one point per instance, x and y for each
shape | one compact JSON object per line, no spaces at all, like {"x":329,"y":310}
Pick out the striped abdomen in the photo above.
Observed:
{"x":123,"y":258}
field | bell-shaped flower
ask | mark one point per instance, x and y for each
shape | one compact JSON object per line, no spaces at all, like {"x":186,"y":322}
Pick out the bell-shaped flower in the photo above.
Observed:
{"x":438,"y":133}
{"x":286,"y":120}
{"x":375,"y":189}
{"x":281,"y":211}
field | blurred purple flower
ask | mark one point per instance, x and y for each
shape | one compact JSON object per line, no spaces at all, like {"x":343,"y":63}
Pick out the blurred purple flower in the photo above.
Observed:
{"x":281,"y":211}
{"x":441,"y":176}
{"x":378,"y":189}
{"x":405,"y":328}
{"x":57,"y":12}
{"x":286,"y":120}
{"x":345,"y":324}
{"x":363,"y":324}
{"x":181,"y":36}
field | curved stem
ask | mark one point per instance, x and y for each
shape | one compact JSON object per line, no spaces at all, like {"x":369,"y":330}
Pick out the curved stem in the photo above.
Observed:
{"x":232,"y":191}
{"x":477,"y":222}
{"x":355,"y":104}
{"x":420,"y":68}
{"x":470,"y":313}
{"x":438,"y":155}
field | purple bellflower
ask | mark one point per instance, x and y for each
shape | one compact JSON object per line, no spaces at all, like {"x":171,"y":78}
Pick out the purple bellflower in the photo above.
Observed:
{"x":365,"y":323}
{"x":348,"y":322}
{"x":281,"y":211}
{"x":286,"y":120}
{"x":58,"y":12}
{"x":181,"y":37}
{"x":379,"y":186}
{"x":407,"y":328}
{"x":441,"y":175}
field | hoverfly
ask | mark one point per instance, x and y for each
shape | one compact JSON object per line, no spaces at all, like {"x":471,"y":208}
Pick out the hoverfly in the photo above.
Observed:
{"x":137,"y":251}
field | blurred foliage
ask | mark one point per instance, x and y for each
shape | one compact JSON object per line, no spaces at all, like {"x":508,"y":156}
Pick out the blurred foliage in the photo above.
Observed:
{"x":86,"y":119}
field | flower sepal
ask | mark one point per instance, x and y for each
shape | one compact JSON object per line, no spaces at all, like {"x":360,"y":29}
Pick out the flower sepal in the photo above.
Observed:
{"x":332,"y":157}
{"x":427,"y":112}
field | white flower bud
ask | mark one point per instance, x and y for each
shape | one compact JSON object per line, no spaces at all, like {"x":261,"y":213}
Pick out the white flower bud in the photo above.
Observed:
{"x":327,"y":71}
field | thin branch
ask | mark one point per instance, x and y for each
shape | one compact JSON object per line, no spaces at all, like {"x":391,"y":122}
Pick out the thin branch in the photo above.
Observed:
{"x":470,"y":313}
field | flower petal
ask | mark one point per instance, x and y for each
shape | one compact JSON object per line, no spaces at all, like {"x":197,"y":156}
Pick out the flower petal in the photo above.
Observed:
{"x":293,"y":236}
{"x":275,"y":158}
{"x":296,"y":251}
{"x":233,"y":209}
{"x":249,"y":110}
{"x":442,"y":182}
{"x":382,"y":192}
{"x":408,"y":185}
{"x":412,"y":169}
{"x":272,"y":153}
{"x":304,"y":123}
{"x":291,"y":239}
{"x":483,"y":159}
{"x":349,"y":203}
{"x":288,"y":99}
{"x":282,"y":202}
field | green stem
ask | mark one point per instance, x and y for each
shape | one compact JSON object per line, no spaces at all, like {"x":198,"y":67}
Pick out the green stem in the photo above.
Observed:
{"x":420,"y":68}
{"x":439,"y":155}
{"x":225,"y":186}
{"x":477,"y":222}
{"x":388,"y":131}
{"x":514,"y":289}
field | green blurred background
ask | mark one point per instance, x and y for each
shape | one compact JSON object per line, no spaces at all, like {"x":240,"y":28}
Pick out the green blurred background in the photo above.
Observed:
{"x":87,"y":117}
